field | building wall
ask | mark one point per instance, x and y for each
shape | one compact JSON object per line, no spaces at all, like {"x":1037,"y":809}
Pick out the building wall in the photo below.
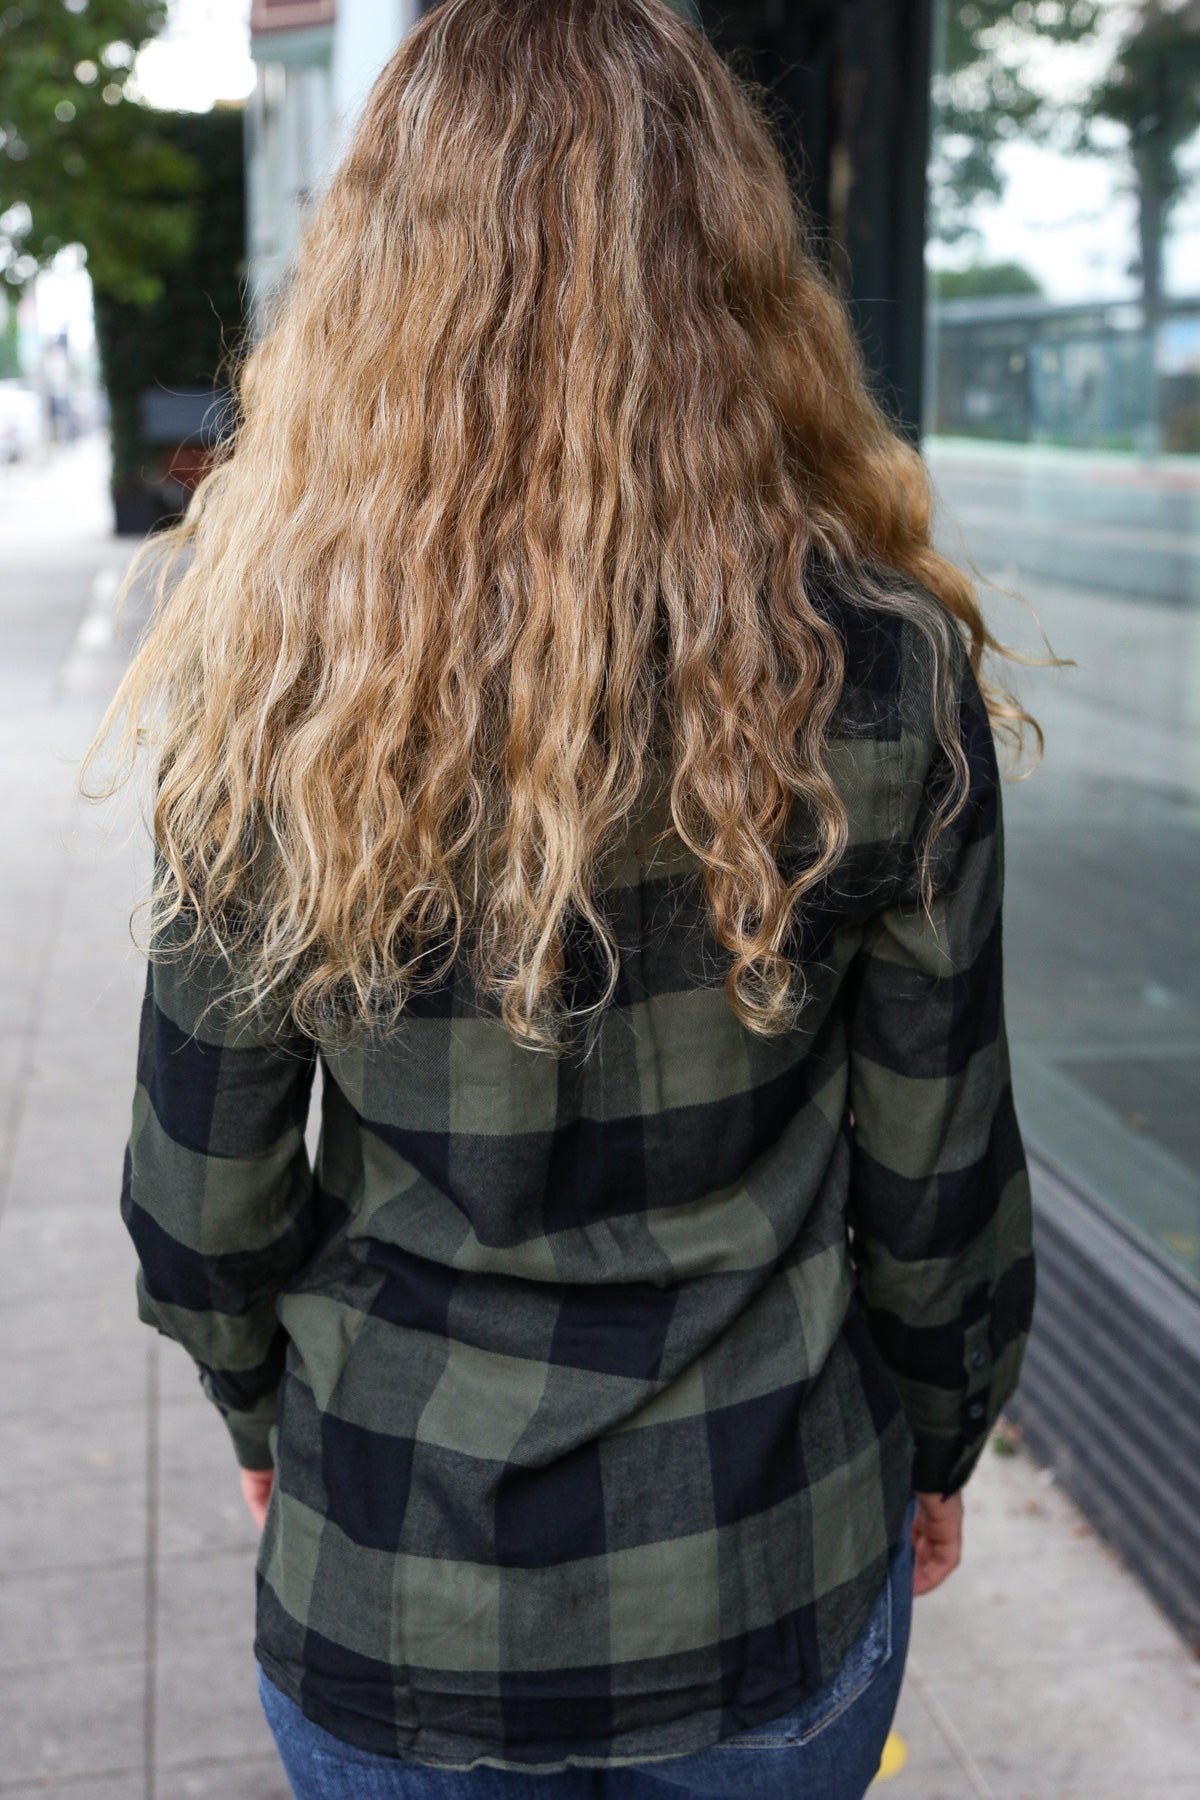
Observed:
{"x":366,"y":33}
{"x":315,"y":65}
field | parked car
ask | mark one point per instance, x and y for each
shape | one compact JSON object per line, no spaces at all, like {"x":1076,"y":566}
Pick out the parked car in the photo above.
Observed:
{"x":22,"y":420}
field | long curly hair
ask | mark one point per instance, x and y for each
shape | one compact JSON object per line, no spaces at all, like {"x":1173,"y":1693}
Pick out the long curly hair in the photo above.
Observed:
{"x":551,"y":410}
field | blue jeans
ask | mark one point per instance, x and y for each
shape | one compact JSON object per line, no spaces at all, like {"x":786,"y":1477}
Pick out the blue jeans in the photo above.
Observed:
{"x":829,"y":1748}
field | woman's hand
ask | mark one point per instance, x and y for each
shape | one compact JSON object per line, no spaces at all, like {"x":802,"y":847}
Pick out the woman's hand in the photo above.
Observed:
{"x":937,"y":1539}
{"x":256,"y":1487}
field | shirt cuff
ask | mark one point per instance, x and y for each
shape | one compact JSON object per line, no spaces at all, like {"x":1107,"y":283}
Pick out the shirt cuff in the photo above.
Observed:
{"x":941,"y":1465}
{"x":944,"y":1461}
{"x":250,"y":1428}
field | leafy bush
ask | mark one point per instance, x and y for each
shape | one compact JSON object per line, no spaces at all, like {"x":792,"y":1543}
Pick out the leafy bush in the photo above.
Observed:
{"x":183,"y":338}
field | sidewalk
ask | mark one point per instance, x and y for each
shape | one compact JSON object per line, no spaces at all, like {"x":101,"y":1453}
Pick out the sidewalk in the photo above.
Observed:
{"x":1038,"y":1672}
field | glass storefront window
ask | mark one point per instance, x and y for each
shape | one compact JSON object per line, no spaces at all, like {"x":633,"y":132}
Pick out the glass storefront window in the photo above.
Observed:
{"x":1062,"y":435}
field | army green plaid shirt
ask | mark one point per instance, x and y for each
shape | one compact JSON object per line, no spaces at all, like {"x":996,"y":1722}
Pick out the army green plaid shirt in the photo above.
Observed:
{"x":596,"y":1389}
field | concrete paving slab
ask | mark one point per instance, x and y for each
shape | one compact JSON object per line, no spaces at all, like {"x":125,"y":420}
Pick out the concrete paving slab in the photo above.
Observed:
{"x":59,"y":1443}
{"x":1036,"y":1585}
{"x":207,"y":1597}
{"x":207,"y":1706}
{"x":88,"y":1056}
{"x":63,"y":1251}
{"x":58,"y":1725}
{"x":98,"y":1361}
{"x":201,"y":1509}
{"x":82,"y":1180}
{"x":1042,"y":1732}
{"x":115,"y":1787}
{"x":259,"y":1778}
{"x":1146,"y":1790}
{"x":933,"y":1767}
{"x":1044,"y":1665}
{"x":34,"y":1328}
{"x":72,"y":1524}
{"x":63,"y":1615}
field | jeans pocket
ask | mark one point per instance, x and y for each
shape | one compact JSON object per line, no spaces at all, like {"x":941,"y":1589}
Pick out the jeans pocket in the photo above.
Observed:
{"x":867,"y":1656}
{"x":862,"y":1663}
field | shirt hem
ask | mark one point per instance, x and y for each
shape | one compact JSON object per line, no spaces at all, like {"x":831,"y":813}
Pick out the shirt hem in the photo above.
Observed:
{"x":695,"y":1729}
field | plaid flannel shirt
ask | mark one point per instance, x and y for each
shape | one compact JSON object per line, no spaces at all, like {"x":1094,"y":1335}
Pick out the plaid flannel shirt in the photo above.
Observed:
{"x":596,"y":1389}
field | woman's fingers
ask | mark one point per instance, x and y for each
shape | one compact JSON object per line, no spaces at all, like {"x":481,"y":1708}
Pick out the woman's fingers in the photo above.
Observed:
{"x":937,"y":1540}
{"x":256,"y":1488}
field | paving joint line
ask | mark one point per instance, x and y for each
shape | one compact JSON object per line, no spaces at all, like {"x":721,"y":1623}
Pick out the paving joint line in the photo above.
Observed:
{"x":958,"y":1749}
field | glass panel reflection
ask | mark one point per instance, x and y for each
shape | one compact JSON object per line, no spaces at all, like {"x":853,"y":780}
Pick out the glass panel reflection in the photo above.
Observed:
{"x":1062,"y":436}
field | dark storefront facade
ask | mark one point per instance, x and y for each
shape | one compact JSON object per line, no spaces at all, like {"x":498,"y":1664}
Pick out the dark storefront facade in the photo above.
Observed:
{"x":1014,"y":196}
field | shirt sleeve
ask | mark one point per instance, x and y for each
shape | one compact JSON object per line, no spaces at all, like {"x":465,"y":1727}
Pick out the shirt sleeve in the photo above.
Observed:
{"x":940,"y":1212}
{"x":217,"y":1191}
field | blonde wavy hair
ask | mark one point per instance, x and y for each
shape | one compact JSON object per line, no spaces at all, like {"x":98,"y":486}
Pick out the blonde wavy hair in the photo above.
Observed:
{"x":552,"y":410}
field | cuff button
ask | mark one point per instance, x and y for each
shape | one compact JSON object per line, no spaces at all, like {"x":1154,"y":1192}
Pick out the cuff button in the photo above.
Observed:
{"x":978,"y":1358}
{"x":975,"y":1410}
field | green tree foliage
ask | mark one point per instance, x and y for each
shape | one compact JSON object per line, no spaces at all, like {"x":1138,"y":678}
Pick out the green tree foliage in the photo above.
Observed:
{"x":982,"y":279}
{"x":80,"y":160}
{"x":984,"y":96}
{"x":185,"y":337}
{"x":1152,"y":89}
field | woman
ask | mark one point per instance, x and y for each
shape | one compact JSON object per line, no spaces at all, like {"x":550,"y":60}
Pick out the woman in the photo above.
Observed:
{"x":567,"y":736}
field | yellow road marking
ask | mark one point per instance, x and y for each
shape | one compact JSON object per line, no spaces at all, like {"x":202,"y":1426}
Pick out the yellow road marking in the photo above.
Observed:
{"x":895,"y":1755}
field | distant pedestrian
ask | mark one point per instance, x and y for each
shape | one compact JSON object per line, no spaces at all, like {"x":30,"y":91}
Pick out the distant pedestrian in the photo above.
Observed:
{"x":562,"y":731}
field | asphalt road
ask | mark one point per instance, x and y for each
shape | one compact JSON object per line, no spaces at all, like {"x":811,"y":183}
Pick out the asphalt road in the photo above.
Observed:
{"x":1107,"y":524}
